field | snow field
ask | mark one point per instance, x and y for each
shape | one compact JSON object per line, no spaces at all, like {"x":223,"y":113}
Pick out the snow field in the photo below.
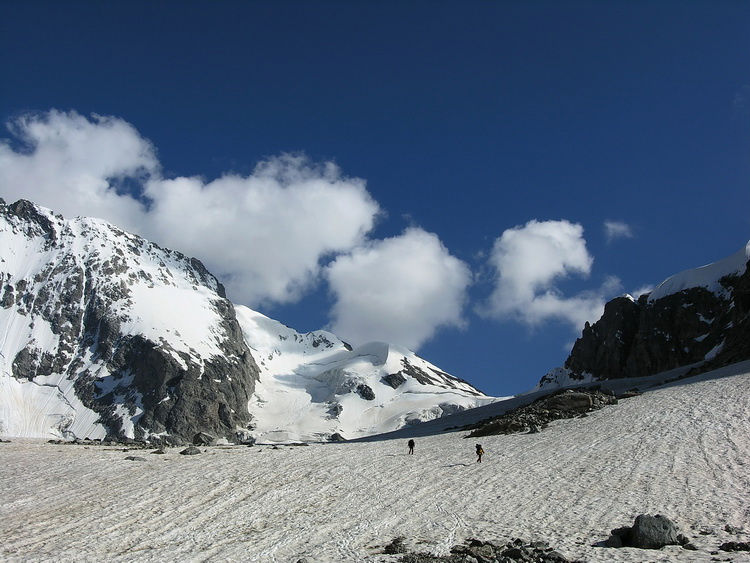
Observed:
{"x":681,"y":451}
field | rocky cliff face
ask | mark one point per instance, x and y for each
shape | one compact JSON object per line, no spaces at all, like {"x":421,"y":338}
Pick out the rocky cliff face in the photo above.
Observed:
{"x":699,"y":317}
{"x":105,"y":334}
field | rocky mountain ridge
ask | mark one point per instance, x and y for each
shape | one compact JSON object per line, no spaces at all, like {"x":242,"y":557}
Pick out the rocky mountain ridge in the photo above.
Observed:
{"x":85,"y":348}
{"x":698,"y":318}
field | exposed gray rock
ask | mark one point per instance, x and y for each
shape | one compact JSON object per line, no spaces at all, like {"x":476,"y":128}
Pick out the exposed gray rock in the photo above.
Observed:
{"x":336,"y":437}
{"x":476,"y":551}
{"x":203,"y":439}
{"x":432,"y":377}
{"x":536,"y":416}
{"x":365,"y":391}
{"x":570,"y":401}
{"x":135,"y":458}
{"x":653,"y":532}
{"x":735,"y":546}
{"x":396,"y":546}
{"x":190,"y":450}
{"x":638,"y":338}
{"x":394,"y":380}
{"x":732,"y":529}
{"x":647,"y":532}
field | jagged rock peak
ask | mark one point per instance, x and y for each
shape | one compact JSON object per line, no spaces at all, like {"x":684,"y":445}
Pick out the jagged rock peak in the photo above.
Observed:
{"x":122,"y":337}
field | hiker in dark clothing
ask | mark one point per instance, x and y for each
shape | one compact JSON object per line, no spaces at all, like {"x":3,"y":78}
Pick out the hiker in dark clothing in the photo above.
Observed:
{"x":411,"y":446}
{"x":480,"y":453}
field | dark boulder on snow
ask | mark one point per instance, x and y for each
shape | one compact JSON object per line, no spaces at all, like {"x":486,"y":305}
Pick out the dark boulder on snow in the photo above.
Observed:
{"x":191,"y":450}
{"x":735,"y":546}
{"x":396,"y":546}
{"x":647,"y":532}
{"x":474,"y":551}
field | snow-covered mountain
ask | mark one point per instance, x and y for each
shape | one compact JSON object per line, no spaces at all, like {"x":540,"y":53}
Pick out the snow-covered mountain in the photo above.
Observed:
{"x":698,"y":318}
{"x":314,"y":385}
{"x":103,"y":333}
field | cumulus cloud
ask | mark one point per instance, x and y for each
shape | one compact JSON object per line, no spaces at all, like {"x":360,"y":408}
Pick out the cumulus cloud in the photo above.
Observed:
{"x":399,"y":289}
{"x":529,"y":260}
{"x":74,"y":164}
{"x":617,"y":229}
{"x":265,"y":235}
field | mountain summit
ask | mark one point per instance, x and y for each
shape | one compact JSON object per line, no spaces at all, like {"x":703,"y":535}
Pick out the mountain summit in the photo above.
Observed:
{"x":104,"y":334}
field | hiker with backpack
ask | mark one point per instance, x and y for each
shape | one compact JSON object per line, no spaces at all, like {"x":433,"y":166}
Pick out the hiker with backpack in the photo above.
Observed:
{"x":411,"y":447}
{"x":480,"y":453}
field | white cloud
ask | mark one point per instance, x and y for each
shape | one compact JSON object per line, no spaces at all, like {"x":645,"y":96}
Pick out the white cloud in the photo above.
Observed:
{"x":528,"y":261}
{"x":617,"y":229}
{"x":71,"y":164}
{"x":400,"y":289}
{"x":264,"y":234}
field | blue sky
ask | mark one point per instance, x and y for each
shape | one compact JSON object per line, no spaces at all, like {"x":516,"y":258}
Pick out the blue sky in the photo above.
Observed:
{"x":436,"y":173}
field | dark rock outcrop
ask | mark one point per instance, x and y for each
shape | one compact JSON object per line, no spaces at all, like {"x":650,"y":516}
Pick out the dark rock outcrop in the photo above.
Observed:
{"x":394,"y":380}
{"x":203,"y":439}
{"x":735,"y":546}
{"x":431,"y":377}
{"x":473,"y":551}
{"x":396,"y":546}
{"x":644,"y":337}
{"x":365,"y":391}
{"x":533,"y":417}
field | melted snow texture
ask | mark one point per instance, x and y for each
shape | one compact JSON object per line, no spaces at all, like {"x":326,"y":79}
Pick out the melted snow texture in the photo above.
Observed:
{"x":680,"y":451}
{"x":150,"y":285}
{"x":308,"y":385}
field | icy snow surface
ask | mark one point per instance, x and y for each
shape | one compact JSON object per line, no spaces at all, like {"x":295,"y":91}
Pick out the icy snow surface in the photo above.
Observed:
{"x":706,"y":276}
{"x":681,"y":451}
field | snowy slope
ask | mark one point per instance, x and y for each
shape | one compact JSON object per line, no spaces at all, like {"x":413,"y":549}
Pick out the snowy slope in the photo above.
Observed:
{"x":681,"y":451}
{"x":314,"y":385}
